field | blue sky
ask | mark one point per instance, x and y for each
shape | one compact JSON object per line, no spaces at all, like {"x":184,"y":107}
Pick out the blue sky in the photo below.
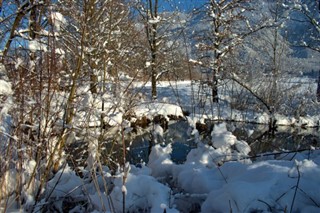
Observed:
{"x":185,"y":5}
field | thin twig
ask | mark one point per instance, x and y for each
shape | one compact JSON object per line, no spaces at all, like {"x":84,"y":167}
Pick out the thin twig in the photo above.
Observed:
{"x":295,"y":191}
{"x":313,"y":201}
{"x":267,"y":204}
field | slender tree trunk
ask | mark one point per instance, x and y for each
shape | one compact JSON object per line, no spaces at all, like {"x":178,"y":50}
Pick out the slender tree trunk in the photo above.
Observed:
{"x":216,"y":55}
{"x":318,"y":88}
{"x":153,"y":78}
{"x":20,"y":14}
{"x":214,"y":87}
{"x":93,"y":83}
{"x":153,"y":40}
{"x":33,"y":20}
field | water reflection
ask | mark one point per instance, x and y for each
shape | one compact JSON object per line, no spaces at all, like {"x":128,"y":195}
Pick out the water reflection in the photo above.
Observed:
{"x":177,"y":135}
{"x":257,"y":136}
{"x":286,"y":138}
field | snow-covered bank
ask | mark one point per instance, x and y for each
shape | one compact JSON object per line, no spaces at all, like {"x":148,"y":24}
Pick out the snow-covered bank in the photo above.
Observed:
{"x":297,"y":107}
{"x":218,"y":178}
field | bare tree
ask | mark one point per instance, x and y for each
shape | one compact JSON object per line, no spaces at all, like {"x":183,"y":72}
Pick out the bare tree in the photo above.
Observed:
{"x":279,"y":49}
{"x":149,"y":11}
{"x":265,"y":64}
{"x":229,"y":24}
{"x":310,"y":17}
{"x":32,"y":61}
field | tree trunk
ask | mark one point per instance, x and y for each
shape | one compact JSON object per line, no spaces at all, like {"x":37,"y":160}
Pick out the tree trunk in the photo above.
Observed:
{"x":93,"y":83}
{"x":214,"y":87}
{"x":318,"y":88}
{"x":20,"y":14}
{"x":154,"y":84}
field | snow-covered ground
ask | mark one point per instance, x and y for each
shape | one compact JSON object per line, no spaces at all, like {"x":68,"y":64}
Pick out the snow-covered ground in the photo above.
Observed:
{"x":219,"y":176}
{"x":298,"y":102}
{"x":220,"y":179}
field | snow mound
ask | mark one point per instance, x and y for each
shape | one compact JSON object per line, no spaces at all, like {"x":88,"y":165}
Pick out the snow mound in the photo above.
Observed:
{"x":160,"y":161}
{"x":221,"y":137}
{"x":65,"y":182}
{"x":267,"y":186}
{"x":224,"y":141}
{"x":142,"y":192}
{"x":152,"y":109}
{"x":262,"y":186}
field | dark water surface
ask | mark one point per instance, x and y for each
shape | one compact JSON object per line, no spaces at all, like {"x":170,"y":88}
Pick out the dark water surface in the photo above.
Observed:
{"x":257,"y":136}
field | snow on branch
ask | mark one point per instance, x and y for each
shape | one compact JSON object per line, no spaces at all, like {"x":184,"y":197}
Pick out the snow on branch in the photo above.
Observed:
{"x":154,"y":20}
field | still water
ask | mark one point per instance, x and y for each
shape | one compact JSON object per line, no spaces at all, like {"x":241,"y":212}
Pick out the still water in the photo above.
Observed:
{"x":260,"y":139}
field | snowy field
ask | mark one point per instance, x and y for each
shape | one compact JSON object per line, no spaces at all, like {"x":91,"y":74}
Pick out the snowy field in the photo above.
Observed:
{"x":298,"y":105}
{"x":219,"y":177}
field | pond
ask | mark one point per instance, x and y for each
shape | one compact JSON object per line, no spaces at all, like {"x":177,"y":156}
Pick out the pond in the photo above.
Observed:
{"x":260,"y":139}
{"x":176,"y":134}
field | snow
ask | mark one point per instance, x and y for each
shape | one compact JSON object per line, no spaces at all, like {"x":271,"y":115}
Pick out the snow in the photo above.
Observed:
{"x":143,"y":192}
{"x":221,"y":170}
{"x":148,"y":64}
{"x":266,"y":186}
{"x":218,"y":174}
{"x":35,"y":45}
{"x":155,"y":20}
{"x":221,"y":137}
{"x":9,"y":178}
{"x":5,"y":88}
{"x":152,"y":109}
{"x":157,"y":133}
{"x":18,"y":63}
{"x":195,"y":62}
{"x":285,"y":120}
{"x":60,"y":51}
{"x":58,"y":21}
{"x":6,"y":103}
{"x":114,"y":119}
{"x":65,"y":182}
{"x":159,"y":161}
